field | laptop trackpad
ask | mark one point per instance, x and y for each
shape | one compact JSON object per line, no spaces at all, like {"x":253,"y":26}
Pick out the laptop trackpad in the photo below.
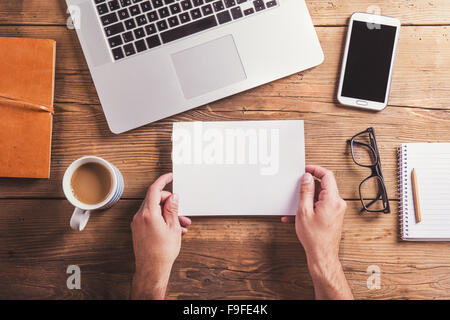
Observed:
{"x":208,"y":67}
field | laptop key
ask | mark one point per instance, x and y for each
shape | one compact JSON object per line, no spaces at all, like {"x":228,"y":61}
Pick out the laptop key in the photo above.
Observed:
{"x":130,"y":24}
{"x":102,"y":9}
{"x":196,"y":14}
{"x":141,"y":20}
{"x":140,"y":45}
{"x":99,"y":1}
{"x":164,"y":12}
{"x":175,"y":8}
{"x":241,"y":1}
{"x":223,"y":17}
{"x":271,"y":4}
{"x":162,"y":25}
{"x":259,"y":5}
{"x":186,"y":5}
{"x":188,"y":29}
{"x":236,"y":13}
{"x":118,"y":53}
{"x":230,"y":3}
{"x":114,"y":5}
{"x":184,"y":17}
{"x":125,"y":3}
{"x":146,"y":6}
{"x":249,"y":11}
{"x":134,"y":10}
{"x":109,"y":19}
{"x":157,"y":3}
{"x":218,"y":6}
{"x":197,"y":3}
{"x":129,"y":49}
{"x":153,"y":42}
{"x":173,"y":21}
{"x":128,"y":36}
{"x":114,"y":29}
{"x":139,"y":33}
{"x":207,"y":10}
{"x":152,"y":16}
{"x":150,"y":29}
{"x":115,"y":41}
{"x":123,"y":14}
{"x":167,"y":2}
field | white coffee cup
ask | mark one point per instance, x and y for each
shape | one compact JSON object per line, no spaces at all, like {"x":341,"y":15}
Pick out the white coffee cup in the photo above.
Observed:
{"x":80,"y":216}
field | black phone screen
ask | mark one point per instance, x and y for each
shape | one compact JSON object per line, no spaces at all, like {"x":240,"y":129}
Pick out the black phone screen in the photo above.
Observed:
{"x":368,"y":61}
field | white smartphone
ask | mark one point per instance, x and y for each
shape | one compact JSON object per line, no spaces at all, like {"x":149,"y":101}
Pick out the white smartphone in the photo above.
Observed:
{"x":368,"y":61}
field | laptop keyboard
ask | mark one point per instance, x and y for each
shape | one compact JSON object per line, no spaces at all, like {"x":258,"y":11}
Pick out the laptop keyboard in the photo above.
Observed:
{"x":134,"y":26}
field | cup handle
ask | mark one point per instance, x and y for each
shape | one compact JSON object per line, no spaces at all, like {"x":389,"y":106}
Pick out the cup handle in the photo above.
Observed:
{"x":79,"y":219}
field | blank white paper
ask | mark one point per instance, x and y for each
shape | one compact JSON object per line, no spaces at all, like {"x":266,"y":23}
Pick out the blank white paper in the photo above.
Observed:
{"x":238,"y":168}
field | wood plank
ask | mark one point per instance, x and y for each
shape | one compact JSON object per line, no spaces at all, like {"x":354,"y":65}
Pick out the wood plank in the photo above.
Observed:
{"x":37,"y":246}
{"x":323,"y":12}
{"x":420,"y":76}
{"x":80,"y":131}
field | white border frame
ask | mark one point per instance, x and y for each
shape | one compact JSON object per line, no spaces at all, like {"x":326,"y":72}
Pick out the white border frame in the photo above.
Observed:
{"x":376,"y":19}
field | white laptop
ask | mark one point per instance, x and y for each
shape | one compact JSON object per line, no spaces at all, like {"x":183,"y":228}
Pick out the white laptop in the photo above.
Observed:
{"x":151,"y":59}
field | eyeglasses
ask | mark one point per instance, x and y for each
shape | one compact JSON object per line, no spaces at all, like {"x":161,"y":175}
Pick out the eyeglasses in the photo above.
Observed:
{"x":372,"y":190}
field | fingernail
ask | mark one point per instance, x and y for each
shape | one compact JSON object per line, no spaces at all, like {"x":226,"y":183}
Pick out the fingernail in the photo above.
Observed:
{"x":174,"y":198}
{"x":307,"y":178}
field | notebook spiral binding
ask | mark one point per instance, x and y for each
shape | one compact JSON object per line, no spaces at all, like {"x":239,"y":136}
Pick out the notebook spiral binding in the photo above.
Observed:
{"x":402,"y":153}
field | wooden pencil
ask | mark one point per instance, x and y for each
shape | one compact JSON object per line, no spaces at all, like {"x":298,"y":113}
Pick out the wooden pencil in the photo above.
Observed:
{"x":415,"y":189}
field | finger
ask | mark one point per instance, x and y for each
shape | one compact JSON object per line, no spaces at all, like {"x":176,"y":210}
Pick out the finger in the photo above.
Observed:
{"x":165,"y":195}
{"x":184,"y":221}
{"x":322,"y":195}
{"x":306,"y":202}
{"x":171,"y":211}
{"x":184,"y":230}
{"x":328,"y":182}
{"x":162,"y":181}
{"x":155,"y":192}
{"x":288,"y":219}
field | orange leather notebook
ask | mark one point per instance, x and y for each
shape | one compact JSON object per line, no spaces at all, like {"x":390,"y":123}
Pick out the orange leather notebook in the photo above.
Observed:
{"x":27,"y":77}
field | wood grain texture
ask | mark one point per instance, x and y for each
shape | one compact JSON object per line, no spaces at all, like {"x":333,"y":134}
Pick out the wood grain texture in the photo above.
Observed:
{"x":421,"y":81}
{"x":235,"y":258}
{"x":421,"y":76}
{"x":36,"y":244}
{"x":82,"y":131}
{"x":323,"y":12}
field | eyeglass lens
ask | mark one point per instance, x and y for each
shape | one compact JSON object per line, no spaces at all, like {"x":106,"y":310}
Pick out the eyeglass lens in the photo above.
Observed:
{"x":362,"y":151}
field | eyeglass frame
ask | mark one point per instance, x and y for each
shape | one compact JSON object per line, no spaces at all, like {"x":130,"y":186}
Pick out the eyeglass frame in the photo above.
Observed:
{"x":376,"y":172}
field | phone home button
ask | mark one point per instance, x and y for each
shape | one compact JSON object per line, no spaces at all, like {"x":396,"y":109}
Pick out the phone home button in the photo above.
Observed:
{"x":361,"y":103}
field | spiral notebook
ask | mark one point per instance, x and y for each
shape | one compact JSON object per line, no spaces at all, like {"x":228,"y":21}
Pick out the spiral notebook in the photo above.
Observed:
{"x":432,"y":164}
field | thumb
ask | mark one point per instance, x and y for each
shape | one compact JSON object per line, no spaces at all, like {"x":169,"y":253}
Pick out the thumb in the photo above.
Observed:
{"x":306,"y":202}
{"x":171,"y":210}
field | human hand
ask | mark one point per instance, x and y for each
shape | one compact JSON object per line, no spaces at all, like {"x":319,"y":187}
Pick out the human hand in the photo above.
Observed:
{"x":318,"y":224}
{"x":320,"y":215}
{"x":157,"y":231}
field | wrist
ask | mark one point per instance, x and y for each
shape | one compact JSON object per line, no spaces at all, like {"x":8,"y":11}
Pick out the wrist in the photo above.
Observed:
{"x":150,"y":285}
{"x":329,"y":279}
{"x":324,"y":269}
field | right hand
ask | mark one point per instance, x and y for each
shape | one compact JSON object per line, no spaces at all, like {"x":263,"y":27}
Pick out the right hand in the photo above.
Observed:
{"x":319,"y":218}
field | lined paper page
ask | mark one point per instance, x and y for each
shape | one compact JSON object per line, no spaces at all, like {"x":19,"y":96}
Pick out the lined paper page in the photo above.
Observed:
{"x":432,"y":164}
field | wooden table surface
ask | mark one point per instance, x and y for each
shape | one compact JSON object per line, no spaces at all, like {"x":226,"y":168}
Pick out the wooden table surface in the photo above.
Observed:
{"x":233,"y":257}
